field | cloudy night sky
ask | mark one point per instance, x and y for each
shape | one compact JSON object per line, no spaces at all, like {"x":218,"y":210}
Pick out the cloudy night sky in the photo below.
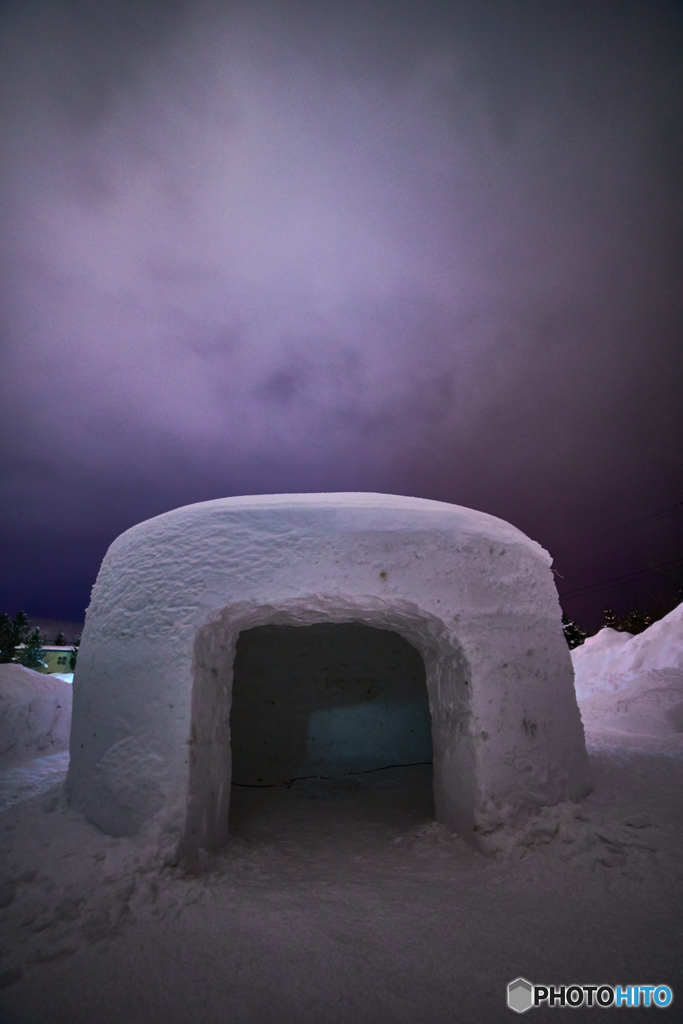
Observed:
{"x":417,"y":248}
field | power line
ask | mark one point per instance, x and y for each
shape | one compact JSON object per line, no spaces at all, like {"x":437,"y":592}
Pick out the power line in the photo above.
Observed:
{"x":616,"y":533}
{"x":663,"y":511}
{"x":626,"y":576}
{"x":659,"y":514}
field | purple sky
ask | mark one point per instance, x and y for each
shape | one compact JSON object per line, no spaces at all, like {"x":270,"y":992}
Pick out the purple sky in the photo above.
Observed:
{"x":294,"y":246}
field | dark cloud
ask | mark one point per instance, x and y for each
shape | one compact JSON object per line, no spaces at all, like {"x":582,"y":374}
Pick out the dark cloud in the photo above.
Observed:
{"x":256,"y":247}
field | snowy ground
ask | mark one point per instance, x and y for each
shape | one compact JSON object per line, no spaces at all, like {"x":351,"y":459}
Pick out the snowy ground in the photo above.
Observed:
{"x":347,"y":903}
{"x":68,"y":677}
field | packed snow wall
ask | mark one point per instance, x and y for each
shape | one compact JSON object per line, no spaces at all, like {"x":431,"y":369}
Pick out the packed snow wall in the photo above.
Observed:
{"x":151,"y":741}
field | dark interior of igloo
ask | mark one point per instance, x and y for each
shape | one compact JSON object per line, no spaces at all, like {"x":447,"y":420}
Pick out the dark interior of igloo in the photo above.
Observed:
{"x":326,"y":710}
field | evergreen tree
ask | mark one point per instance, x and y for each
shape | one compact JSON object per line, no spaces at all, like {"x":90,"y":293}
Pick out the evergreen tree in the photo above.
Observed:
{"x":635,"y":621}
{"x":31,"y":655}
{"x":12,"y":633}
{"x":74,"y":653}
{"x":60,"y":641}
{"x":573,"y":634}
{"x":7,"y":644}
{"x":609,"y":619}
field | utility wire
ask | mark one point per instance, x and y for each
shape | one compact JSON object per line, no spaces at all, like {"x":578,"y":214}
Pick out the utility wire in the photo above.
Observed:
{"x":626,"y":576}
{"x":659,"y":514}
{"x":616,"y":533}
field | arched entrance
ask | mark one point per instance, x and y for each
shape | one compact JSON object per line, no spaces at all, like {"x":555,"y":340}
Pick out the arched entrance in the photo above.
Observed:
{"x":327,"y":699}
{"x":330,"y":720}
{"x":286,"y":694}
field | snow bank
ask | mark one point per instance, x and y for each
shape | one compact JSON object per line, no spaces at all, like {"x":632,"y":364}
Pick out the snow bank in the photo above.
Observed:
{"x":26,"y":777}
{"x":67,"y":677}
{"x":658,"y":647}
{"x":35,"y":713}
{"x":596,"y":662}
{"x":634,"y":684}
{"x":604,"y":660}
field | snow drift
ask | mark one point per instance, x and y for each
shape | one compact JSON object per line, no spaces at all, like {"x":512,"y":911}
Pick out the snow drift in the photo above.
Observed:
{"x":35,"y":713}
{"x":634,"y":684}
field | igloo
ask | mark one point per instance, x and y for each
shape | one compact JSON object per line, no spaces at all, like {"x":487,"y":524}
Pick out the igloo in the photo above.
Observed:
{"x":178,"y":596}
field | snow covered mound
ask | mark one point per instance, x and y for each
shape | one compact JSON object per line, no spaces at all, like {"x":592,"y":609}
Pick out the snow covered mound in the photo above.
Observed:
{"x":177,"y":597}
{"x":35,"y":713}
{"x":633,"y":684}
{"x":597,"y":662}
{"x":660,"y":646}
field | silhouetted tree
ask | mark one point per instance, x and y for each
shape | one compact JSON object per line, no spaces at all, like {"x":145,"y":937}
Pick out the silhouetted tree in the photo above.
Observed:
{"x":31,"y":655}
{"x":74,"y":653}
{"x":635,"y":621}
{"x":12,"y":633}
{"x":609,"y":619}
{"x":60,"y":640}
{"x":572,"y":633}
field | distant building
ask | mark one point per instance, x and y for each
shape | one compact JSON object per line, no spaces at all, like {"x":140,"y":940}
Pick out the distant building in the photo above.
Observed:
{"x":58,"y":658}
{"x":55,"y":659}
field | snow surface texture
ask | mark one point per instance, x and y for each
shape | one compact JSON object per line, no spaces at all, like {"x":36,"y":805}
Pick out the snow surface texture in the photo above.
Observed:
{"x":35,"y":713}
{"x":348,"y":904}
{"x":634,"y":684}
{"x":472,"y":594}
